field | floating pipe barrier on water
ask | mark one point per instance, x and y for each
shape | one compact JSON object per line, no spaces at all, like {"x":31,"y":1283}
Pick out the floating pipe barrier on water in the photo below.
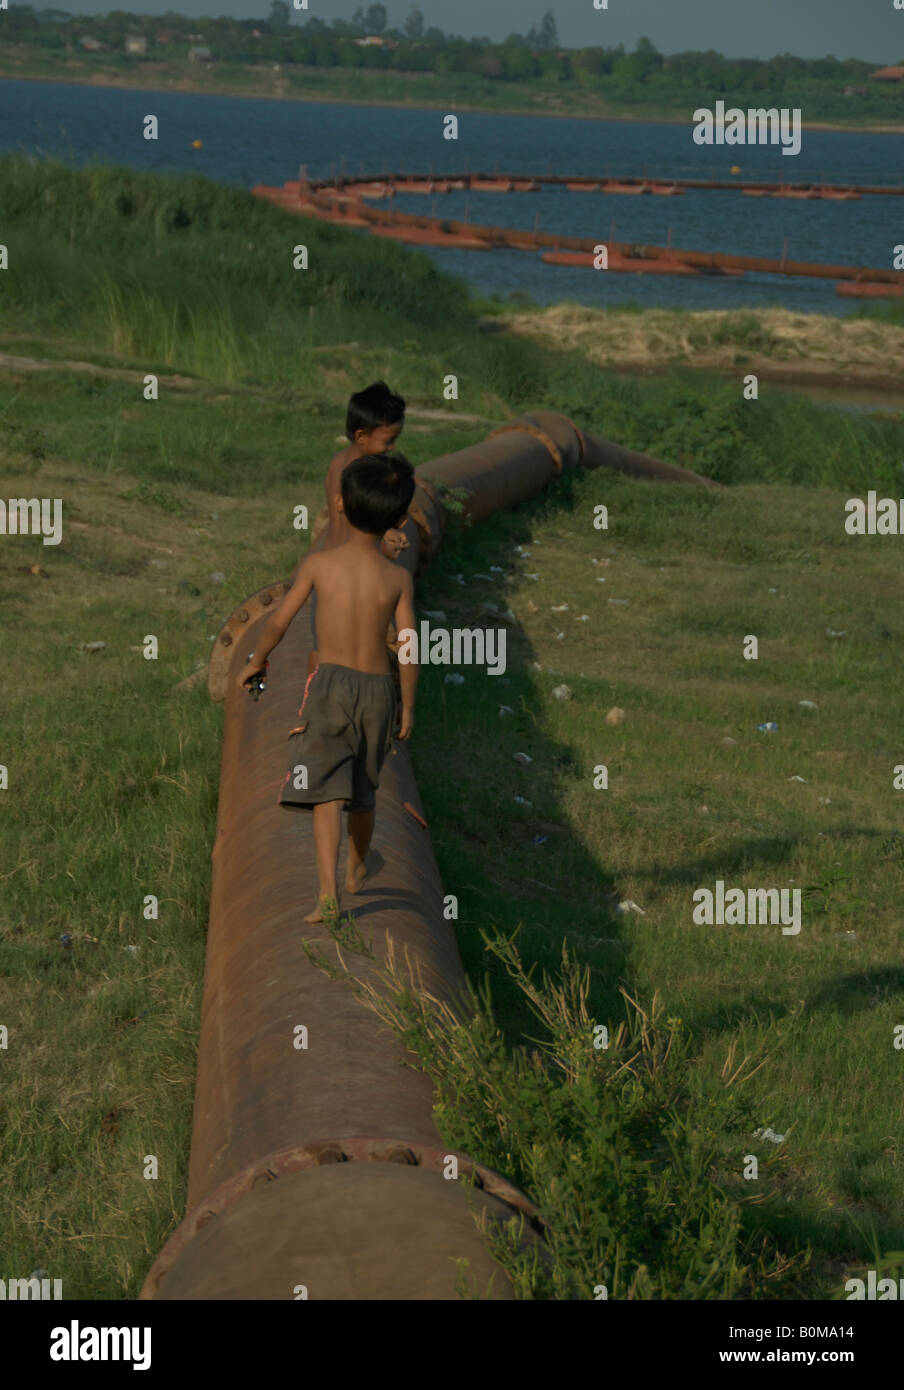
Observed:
{"x":316,"y":1169}
{"x":334,"y":203}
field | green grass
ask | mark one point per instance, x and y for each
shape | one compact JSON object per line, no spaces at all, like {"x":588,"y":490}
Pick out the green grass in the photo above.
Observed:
{"x":113,"y":774}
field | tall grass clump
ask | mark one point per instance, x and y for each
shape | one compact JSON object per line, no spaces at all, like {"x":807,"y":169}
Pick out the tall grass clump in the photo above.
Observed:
{"x":609,"y":1134}
{"x":195,"y":275}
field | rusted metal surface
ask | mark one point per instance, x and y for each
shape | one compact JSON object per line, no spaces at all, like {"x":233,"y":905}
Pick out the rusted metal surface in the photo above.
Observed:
{"x":320,"y":1164}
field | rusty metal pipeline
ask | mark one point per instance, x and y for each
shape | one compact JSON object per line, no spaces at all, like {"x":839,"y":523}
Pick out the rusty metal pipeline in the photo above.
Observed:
{"x":320,"y":1166}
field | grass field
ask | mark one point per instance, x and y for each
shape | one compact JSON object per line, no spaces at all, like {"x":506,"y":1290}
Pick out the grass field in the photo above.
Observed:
{"x":172,"y":515}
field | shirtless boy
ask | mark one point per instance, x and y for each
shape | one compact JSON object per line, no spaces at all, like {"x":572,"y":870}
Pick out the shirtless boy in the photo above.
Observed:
{"x":373,"y":422}
{"x":349,"y":708}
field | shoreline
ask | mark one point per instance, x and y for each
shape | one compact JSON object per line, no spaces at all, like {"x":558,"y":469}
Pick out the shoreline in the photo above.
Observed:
{"x":186,"y":88}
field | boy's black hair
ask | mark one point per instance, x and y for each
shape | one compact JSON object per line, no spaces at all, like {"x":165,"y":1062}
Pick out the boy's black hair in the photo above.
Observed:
{"x":374,"y":406}
{"x":376,"y":492}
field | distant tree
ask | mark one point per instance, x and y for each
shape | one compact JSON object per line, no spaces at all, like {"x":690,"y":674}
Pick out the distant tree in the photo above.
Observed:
{"x":375,"y":19}
{"x":280,"y":15}
{"x":414,"y":23}
{"x":547,"y":35}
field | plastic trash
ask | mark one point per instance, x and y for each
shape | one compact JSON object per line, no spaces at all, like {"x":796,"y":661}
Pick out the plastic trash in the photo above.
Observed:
{"x":807,"y":704}
{"x":561,"y":608}
{"x":769,"y":1134}
{"x":584,"y":618}
{"x":454,"y":678}
{"x":496,"y":569}
{"x":769,"y":727}
{"x":532,"y":576}
{"x":562,"y":692}
{"x":615,"y":716}
{"x":65,"y":940}
{"x":522,"y":801}
{"x":94,"y":646}
{"x":726,"y":740}
{"x":629,"y":906}
{"x":505,"y":709}
{"x":603,"y":580}
{"x":487,"y":577}
{"x":830,"y":632}
{"x":617,"y":600}
{"x":535,"y":666}
{"x":540,"y":839}
{"x":218,"y":577}
{"x":523,"y":758}
{"x":559,"y":636}
{"x":795,"y":778}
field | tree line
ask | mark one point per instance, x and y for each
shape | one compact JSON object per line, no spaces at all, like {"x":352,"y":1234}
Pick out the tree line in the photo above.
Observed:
{"x":289,"y":36}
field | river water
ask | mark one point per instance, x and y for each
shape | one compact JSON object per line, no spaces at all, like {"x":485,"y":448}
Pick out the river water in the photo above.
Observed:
{"x":249,"y":140}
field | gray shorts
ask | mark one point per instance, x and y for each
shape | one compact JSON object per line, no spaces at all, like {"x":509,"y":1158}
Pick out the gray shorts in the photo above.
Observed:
{"x":345,"y":732}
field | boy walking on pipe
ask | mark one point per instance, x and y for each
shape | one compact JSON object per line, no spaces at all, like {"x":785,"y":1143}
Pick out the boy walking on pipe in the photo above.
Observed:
{"x":373,"y":422}
{"x":349,"y":709}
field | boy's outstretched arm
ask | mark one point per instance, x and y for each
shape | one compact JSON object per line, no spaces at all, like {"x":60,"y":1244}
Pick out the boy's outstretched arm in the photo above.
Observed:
{"x":408,"y":670}
{"x":274,"y":629}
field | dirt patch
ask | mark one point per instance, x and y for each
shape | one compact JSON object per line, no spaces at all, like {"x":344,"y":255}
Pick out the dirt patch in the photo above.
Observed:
{"x":774,"y":343}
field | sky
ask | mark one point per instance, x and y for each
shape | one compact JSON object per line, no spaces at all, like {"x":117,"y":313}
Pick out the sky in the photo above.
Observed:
{"x":868,"y":29}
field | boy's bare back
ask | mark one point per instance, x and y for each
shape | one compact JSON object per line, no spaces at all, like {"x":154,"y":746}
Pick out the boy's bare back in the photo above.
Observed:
{"x":358,"y":591}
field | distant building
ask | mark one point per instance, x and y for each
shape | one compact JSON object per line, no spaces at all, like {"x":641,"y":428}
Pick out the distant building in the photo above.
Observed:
{"x":887,"y":75}
{"x":91,"y":45}
{"x":200,"y":55}
{"x":855,"y":92}
{"x":136,"y":43}
{"x":372,"y":41}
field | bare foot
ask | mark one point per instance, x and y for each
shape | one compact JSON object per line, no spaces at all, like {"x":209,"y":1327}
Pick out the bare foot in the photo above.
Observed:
{"x":326,"y":910}
{"x":356,"y":879}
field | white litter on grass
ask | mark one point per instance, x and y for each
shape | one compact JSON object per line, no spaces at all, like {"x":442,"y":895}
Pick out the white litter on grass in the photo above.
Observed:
{"x":454,"y":678}
{"x":217,"y":578}
{"x":825,"y":800}
{"x":807,"y":704}
{"x":535,"y":666}
{"x":562,"y":608}
{"x":795,"y":778}
{"x":559,"y":636}
{"x":459,"y":579}
{"x":629,"y":906}
{"x":769,"y":1134}
{"x":726,"y":740}
{"x":773,"y":591}
{"x":532,"y":576}
{"x":584,"y":618}
{"x":562,"y":692}
{"x":523,"y":758}
{"x":616,"y":600}
{"x":436,"y":613}
{"x":132,"y":950}
{"x":601,"y":581}
{"x":519,"y":550}
{"x":496,"y":569}
{"x":522,"y":801}
{"x":505,"y":709}
{"x":94,"y":646}
{"x":830,"y":632}
{"x":846,"y":935}
{"x":487,"y":577}
{"x":615,"y":716}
